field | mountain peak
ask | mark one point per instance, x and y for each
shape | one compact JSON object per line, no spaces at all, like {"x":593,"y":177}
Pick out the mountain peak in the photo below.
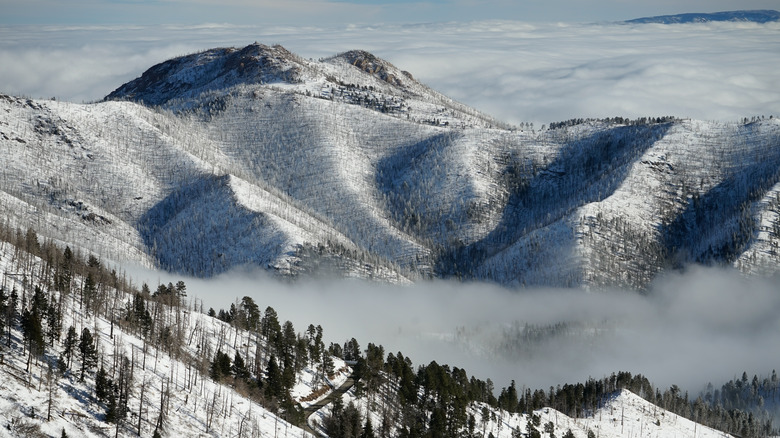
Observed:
{"x":373,"y":65}
{"x":190,"y":75}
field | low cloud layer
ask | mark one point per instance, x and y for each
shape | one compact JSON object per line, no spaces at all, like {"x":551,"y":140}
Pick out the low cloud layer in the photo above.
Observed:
{"x":703,"y":326}
{"x":518,"y":72}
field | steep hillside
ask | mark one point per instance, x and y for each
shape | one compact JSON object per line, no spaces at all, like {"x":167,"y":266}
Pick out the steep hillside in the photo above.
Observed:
{"x":86,"y":354}
{"x":254,"y":156}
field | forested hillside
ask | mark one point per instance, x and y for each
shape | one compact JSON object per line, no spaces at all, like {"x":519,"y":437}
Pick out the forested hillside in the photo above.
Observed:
{"x":87,"y":353}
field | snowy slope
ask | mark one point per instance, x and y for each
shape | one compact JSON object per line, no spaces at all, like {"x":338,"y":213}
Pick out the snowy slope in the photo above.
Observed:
{"x":257,"y":157}
{"x":623,"y":415}
{"x":195,"y":405}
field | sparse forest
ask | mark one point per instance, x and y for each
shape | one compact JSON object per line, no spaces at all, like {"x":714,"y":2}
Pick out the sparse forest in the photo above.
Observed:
{"x":88,"y":334}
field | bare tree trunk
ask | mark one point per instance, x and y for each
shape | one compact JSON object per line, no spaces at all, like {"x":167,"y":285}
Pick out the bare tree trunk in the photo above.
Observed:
{"x":51,"y":378}
{"x":141,"y":404}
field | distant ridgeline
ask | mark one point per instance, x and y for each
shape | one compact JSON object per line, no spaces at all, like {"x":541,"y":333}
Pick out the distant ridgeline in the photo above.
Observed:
{"x":757,"y":16}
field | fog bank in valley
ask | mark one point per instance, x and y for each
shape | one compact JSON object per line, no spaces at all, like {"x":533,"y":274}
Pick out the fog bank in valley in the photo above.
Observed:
{"x":705,"y":325}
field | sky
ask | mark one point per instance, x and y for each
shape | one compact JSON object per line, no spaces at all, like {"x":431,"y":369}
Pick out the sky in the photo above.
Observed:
{"x":340,"y":12}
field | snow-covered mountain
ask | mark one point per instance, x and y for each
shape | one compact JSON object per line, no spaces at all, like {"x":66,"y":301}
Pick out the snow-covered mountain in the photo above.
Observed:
{"x":255,"y":156}
{"x":755,"y":16}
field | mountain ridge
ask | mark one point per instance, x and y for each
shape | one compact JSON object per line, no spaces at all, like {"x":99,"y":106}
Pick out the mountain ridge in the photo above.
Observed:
{"x":350,"y":163}
{"x":754,"y":16}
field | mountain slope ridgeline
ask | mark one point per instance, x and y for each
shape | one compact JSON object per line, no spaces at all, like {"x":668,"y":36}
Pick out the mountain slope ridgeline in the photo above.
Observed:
{"x":348,"y":165}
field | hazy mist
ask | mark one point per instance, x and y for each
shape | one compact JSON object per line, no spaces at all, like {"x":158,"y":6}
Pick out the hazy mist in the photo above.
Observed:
{"x":706,"y":325}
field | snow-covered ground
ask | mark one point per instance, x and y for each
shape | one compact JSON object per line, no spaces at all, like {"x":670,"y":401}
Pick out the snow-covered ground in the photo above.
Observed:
{"x":195,"y":405}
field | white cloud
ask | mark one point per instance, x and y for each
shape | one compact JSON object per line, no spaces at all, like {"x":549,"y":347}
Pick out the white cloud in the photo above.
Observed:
{"x":703,"y":326}
{"x":512,"y":70}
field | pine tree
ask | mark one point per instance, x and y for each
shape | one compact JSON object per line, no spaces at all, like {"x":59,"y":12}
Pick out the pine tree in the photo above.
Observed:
{"x":239,"y":367}
{"x":368,"y":429}
{"x":88,"y":352}
{"x":252,"y":312}
{"x":69,"y":344}
{"x":102,"y":384}
{"x":54,"y":322}
{"x":65,"y":272}
{"x":273,"y":386}
{"x":88,"y":292}
{"x":32,"y":325}
{"x":181,"y":289}
{"x":112,"y":414}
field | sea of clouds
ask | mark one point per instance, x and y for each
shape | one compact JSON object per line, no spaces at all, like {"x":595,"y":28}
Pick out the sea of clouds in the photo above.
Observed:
{"x":690,"y":328}
{"x":516,"y":71}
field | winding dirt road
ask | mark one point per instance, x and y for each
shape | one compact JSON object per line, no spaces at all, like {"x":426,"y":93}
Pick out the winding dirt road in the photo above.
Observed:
{"x":336,"y":393}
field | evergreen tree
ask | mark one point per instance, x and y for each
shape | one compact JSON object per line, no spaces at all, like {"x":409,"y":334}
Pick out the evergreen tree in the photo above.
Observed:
{"x":368,"y":429}
{"x":181,"y":290}
{"x":273,"y":376}
{"x":88,"y":292}
{"x":221,"y":367}
{"x":269,"y":324}
{"x":32,"y":325}
{"x":239,"y":367}
{"x":54,"y":322}
{"x":251,"y":313}
{"x":531,"y":427}
{"x":103,"y":384}
{"x":65,"y":271}
{"x":327,"y":364}
{"x":88,"y":352}
{"x":351,"y":350}
{"x":112,"y":414}
{"x":69,"y":345}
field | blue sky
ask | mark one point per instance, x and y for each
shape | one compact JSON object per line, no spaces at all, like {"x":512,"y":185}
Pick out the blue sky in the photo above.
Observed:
{"x":335,"y":12}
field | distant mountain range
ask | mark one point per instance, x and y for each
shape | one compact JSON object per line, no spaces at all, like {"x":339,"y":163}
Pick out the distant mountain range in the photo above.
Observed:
{"x":349,"y":166}
{"x":757,"y":16}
